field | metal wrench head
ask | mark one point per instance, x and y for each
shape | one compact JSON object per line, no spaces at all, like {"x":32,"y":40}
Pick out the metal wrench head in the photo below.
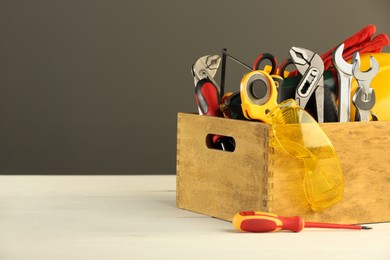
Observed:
{"x":367,"y":75}
{"x":340,"y":64}
{"x":364,"y":100}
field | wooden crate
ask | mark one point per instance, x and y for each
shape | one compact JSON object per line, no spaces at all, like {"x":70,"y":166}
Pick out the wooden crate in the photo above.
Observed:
{"x":258,"y":176}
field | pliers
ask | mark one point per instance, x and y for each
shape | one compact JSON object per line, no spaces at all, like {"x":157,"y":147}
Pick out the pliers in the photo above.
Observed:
{"x":311,"y":66}
{"x":207,"y":91}
{"x":208,"y":96}
{"x":206,"y":67}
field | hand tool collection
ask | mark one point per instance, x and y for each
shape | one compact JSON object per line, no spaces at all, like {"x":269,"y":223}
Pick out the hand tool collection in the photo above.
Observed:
{"x":261,"y":222}
{"x":350,"y":82}
{"x":323,"y":85}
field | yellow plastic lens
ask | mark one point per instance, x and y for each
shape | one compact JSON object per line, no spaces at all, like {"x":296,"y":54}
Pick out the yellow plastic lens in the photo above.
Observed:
{"x":301,"y":136}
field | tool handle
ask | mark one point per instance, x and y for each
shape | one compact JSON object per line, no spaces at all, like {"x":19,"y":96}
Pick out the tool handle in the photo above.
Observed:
{"x":207,"y":97}
{"x":259,"y":222}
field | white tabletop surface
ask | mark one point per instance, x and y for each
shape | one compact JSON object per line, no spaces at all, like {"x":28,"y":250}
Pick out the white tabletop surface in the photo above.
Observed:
{"x":135,"y":217}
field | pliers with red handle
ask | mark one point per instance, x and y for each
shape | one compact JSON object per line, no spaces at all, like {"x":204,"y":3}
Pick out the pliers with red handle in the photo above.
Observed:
{"x":207,"y":91}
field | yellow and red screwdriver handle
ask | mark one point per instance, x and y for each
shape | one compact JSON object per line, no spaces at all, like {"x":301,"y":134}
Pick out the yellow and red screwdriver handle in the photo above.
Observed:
{"x":260,"y":222}
{"x":254,"y":221}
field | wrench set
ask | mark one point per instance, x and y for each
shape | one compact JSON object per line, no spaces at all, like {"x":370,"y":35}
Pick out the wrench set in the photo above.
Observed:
{"x":364,"y":97}
{"x":320,"y":84}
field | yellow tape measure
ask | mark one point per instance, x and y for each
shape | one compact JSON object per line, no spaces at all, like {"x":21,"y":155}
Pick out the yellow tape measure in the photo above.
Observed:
{"x":258,"y":92}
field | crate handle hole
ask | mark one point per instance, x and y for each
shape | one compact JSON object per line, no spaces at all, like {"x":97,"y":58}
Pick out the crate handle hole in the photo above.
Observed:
{"x":220,"y":142}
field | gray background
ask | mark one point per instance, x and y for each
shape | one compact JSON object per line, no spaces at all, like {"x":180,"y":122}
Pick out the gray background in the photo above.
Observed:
{"x":94,"y":87}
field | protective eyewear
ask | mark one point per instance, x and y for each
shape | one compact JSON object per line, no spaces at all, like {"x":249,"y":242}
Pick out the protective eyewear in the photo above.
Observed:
{"x":302,"y":137}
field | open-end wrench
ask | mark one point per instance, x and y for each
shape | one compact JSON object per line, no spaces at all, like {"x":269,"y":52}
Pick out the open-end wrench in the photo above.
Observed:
{"x":311,"y":66}
{"x":344,"y":72}
{"x":364,"y":97}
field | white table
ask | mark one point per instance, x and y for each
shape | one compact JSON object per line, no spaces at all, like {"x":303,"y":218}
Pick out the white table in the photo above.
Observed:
{"x":135,"y":217}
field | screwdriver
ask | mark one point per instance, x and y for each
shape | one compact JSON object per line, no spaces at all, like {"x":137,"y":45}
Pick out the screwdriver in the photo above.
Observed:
{"x":259,"y":222}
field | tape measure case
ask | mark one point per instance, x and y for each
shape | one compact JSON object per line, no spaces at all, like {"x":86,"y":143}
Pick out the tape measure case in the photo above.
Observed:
{"x":259,"y":175}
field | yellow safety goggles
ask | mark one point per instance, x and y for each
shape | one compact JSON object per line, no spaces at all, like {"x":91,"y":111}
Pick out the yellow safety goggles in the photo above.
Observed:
{"x":301,"y":137}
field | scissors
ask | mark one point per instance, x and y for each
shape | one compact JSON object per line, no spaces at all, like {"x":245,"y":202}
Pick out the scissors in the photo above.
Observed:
{"x":275,"y":70}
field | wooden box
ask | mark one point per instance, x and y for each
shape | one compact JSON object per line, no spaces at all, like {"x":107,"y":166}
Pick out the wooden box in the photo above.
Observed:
{"x":258,"y":176}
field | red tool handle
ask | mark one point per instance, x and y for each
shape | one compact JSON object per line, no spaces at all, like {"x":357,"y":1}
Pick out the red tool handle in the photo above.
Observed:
{"x":207,"y":98}
{"x":252,"y":221}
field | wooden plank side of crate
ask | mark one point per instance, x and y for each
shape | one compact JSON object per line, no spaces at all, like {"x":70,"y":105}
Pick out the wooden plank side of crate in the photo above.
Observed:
{"x":215,"y":182}
{"x":363,"y":150}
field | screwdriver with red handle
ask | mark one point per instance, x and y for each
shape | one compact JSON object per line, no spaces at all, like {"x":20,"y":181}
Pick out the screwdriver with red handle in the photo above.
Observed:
{"x":260,"y":222}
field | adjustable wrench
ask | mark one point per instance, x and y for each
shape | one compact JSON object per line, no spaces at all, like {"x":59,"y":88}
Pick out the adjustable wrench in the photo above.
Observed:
{"x":344,"y":72}
{"x":311,"y":66}
{"x":364,"y":97}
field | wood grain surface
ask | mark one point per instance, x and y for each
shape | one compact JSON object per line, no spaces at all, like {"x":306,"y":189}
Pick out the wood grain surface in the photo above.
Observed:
{"x":260,"y":175}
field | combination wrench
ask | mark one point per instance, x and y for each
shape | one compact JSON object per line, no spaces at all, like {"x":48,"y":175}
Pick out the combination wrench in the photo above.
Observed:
{"x":364,"y":97}
{"x":344,"y":72}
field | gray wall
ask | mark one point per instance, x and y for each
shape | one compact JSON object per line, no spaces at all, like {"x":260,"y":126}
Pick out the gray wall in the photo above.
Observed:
{"x":94,"y":87}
